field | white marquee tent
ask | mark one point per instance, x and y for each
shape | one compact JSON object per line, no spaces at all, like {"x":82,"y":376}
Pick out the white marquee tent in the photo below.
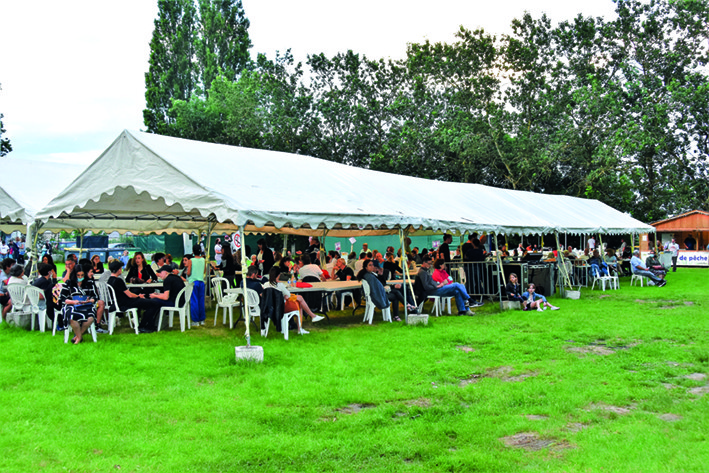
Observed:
{"x":150,"y":183}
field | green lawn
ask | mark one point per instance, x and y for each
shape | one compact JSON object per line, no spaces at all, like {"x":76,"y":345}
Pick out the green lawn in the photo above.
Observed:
{"x":611,"y":382}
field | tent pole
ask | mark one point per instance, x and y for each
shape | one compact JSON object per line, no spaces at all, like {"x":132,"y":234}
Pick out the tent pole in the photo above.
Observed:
{"x":81,"y":242}
{"x":407,"y":276}
{"x":243,"y":289}
{"x":285,"y":244}
{"x":500,"y":270}
{"x":322,"y":249}
{"x":565,"y":273}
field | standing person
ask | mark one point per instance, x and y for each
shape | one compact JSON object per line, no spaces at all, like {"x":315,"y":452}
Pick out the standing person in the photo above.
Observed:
{"x":46,"y":283}
{"x":4,"y":250}
{"x":265,"y":256}
{"x":195,"y":275}
{"x":228,"y":265}
{"x":690,"y":243}
{"x":444,"y":249}
{"x":591,"y":243}
{"x":124,"y":258}
{"x":673,"y":247}
{"x":218,"y":252}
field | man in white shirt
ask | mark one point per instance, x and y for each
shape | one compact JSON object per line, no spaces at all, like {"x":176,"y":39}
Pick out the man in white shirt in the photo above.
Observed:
{"x":306,"y":269}
{"x":4,"y":250}
{"x":592,"y":244}
{"x":674,"y":248}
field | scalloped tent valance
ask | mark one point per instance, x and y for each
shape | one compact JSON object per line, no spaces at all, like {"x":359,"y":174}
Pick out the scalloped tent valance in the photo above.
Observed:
{"x":151,"y":183}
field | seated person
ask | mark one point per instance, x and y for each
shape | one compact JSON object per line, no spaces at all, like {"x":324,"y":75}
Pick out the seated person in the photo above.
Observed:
{"x":654,"y":265}
{"x":128,"y":300}
{"x":306,"y":268}
{"x":392,"y":267}
{"x":597,"y":266}
{"x":158,"y":261}
{"x":441,"y":276}
{"x":293,"y":302}
{"x":96,"y":264}
{"x":89,"y":285}
{"x":140,"y":272}
{"x":342,"y":272}
{"x":17,"y":276}
{"x":5,"y":300}
{"x":637,"y":268}
{"x":78,"y":305}
{"x":172,"y":284}
{"x":380,"y":298}
{"x":46,"y":283}
{"x":432,"y":288}
{"x":534,"y":300}
{"x":611,"y":260}
{"x":253,"y":281}
{"x":514,"y":291}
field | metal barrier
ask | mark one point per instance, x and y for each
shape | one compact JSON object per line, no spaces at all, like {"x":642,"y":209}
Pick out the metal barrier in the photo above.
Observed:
{"x":480,"y":277}
{"x":581,"y":274}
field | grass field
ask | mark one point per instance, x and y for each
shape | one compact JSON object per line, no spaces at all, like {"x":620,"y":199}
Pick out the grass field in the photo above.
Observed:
{"x":612,"y":382}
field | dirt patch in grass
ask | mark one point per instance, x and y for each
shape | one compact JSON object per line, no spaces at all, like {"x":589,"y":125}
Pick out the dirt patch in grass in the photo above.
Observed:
{"x":354,"y":408}
{"x":696,"y":376}
{"x":465,"y":348}
{"x":600,"y":347}
{"x":608,"y":408}
{"x":536,"y":417}
{"x":688,"y":303}
{"x":576,"y":426}
{"x":500,"y":373}
{"x":640,"y":301}
{"x":532,"y":442}
{"x":670,"y":417}
{"x":420,"y":402}
{"x":699,"y":391}
{"x":603,"y":296}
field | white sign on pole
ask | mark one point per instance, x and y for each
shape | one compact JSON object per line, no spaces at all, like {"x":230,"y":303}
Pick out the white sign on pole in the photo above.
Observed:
{"x":353,"y":240}
{"x":338,"y":247}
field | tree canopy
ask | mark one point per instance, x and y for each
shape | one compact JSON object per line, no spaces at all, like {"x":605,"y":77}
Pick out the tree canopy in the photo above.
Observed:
{"x":613,"y":109}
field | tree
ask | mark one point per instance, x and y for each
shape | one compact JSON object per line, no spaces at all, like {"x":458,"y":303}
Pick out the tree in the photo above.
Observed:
{"x":189,"y":50}
{"x":5,"y":146}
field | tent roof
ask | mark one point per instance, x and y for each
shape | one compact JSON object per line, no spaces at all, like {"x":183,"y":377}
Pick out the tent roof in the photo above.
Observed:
{"x":145,"y":182}
{"x":30,"y":187}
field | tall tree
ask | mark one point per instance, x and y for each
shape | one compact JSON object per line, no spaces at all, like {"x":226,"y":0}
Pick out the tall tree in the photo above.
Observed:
{"x":222,"y":42}
{"x":5,"y":146}
{"x":189,"y":48}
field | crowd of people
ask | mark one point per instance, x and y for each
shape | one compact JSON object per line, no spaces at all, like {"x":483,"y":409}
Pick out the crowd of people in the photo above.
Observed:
{"x":73,"y":297}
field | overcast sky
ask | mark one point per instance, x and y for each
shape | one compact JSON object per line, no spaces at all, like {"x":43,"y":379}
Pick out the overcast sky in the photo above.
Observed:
{"x":72,"y":71}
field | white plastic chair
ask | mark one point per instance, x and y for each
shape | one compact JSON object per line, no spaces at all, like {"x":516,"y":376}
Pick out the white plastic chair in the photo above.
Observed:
{"x":108,"y":295}
{"x":255,"y":309}
{"x":33,"y":295}
{"x":342,"y":299}
{"x":369,"y":306}
{"x":68,"y":330}
{"x":602,"y":280}
{"x":226,"y":303}
{"x":636,"y":277}
{"x":439,"y":304}
{"x":182,"y":311}
{"x":20,"y":305}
